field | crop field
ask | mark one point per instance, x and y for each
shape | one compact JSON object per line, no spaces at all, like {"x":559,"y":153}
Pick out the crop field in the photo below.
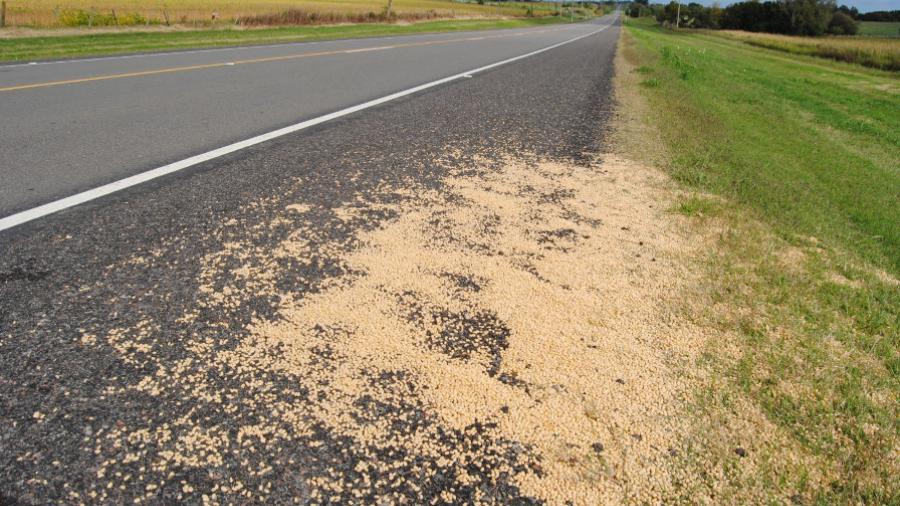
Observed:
{"x":881,"y":53}
{"x":53,"y":13}
{"x":879,"y":28}
{"x":791,"y":164}
{"x":64,"y":45}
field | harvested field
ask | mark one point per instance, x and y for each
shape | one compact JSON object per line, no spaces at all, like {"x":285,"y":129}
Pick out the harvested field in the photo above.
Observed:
{"x":47,"y":13}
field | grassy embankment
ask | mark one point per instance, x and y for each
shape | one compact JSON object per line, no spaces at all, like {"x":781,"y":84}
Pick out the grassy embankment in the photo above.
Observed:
{"x":31,"y":48}
{"x":879,"y":28}
{"x":880,"y":53}
{"x":792,"y":164}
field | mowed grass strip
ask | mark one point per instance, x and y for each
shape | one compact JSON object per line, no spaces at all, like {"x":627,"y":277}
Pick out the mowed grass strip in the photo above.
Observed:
{"x":795,"y":164}
{"x":35,"y":48}
{"x":880,"y":53}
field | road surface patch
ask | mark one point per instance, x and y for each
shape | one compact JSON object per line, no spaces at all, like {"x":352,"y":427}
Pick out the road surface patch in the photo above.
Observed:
{"x":116,"y":186}
{"x":269,"y":59}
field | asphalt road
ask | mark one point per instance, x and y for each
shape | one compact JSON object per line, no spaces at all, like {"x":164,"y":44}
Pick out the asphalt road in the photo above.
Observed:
{"x":77,"y":422}
{"x":61,"y":134}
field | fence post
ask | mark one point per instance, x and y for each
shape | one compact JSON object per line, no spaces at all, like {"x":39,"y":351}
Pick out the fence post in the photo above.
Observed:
{"x":2,"y":13}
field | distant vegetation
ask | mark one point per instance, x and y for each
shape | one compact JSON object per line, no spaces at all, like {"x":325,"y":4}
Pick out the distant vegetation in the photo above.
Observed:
{"x":810,"y":27}
{"x":786,"y":17}
{"x":207,"y":13}
{"x":878,"y":15}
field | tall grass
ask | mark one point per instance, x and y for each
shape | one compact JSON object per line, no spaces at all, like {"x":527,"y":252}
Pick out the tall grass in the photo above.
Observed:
{"x":60,"y":13}
{"x":881,"y":53}
{"x":304,"y":17}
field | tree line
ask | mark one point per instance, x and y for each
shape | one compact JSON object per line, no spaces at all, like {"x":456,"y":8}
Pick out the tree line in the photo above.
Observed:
{"x":790,"y":17}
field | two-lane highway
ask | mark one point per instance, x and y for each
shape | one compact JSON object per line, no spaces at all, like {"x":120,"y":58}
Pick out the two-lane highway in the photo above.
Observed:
{"x":73,"y":125}
{"x":395,"y":306}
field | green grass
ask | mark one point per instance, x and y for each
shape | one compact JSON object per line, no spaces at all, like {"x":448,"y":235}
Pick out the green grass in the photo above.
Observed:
{"x":805,"y":155}
{"x":697,"y":206}
{"x":35,"y":48}
{"x":879,"y":28}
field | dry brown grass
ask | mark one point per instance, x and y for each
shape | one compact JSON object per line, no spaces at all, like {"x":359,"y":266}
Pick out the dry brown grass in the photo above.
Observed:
{"x":52,"y":13}
{"x":882,"y":53}
{"x":302,"y":17}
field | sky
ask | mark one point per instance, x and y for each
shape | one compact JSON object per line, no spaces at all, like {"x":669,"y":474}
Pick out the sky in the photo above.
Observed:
{"x":862,"y":5}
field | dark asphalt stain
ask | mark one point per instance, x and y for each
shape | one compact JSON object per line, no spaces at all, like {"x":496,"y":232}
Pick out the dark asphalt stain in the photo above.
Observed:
{"x":74,"y":274}
{"x":460,"y":334}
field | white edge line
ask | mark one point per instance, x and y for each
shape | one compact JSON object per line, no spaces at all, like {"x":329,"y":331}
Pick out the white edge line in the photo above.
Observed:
{"x":107,"y":189}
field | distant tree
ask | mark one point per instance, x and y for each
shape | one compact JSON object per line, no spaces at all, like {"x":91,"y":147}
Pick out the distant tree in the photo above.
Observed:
{"x":853,"y":12}
{"x":794,"y":17}
{"x":638,"y":10}
{"x":809,"y":17}
{"x":769,"y":17}
{"x":698,"y":16}
{"x":842,"y":24}
{"x":880,"y":16}
{"x":668,"y":14}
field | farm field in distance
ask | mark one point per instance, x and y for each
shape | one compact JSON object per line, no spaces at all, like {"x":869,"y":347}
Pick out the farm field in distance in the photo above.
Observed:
{"x":790,"y":163}
{"x":45,"y":29}
{"x":52,"y":13}
{"x":92,"y":44}
{"x":879,"y":28}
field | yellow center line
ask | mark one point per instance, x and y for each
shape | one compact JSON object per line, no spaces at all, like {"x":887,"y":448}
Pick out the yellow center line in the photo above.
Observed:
{"x":268,"y":59}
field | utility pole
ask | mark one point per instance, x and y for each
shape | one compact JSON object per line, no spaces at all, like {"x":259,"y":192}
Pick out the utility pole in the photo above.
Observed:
{"x":678,"y":16}
{"x":2,"y":13}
